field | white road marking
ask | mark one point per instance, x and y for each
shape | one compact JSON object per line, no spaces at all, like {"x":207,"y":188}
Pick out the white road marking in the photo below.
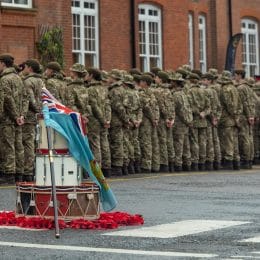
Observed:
{"x":105,"y":250}
{"x":244,"y":256}
{"x":20,"y":228}
{"x":251,"y":240}
{"x":177,"y":229}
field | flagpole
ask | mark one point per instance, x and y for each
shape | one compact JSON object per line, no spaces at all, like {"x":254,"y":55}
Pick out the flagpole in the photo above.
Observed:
{"x":54,"y":195}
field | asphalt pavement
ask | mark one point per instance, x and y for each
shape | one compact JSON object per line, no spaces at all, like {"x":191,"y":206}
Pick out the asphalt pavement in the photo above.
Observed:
{"x":208,"y":215}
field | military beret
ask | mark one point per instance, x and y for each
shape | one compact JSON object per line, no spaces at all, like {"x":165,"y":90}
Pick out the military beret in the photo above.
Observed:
{"x":135,"y":71}
{"x":186,"y":67}
{"x":208,"y":76}
{"x":226,"y":77}
{"x":148,"y":79}
{"x":149,"y":74}
{"x":34,"y":64}
{"x":176,"y":77}
{"x":53,"y":65}
{"x":198,"y":72}
{"x":96,"y":73}
{"x":163,"y":76}
{"x":77,"y":67}
{"x":155,"y":70}
{"x":7,"y":58}
{"x":136,"y":77}
{"x":193,"y":76}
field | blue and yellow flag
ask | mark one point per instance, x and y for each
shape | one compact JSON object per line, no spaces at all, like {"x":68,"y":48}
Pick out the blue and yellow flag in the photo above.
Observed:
{"x":65,"y":124}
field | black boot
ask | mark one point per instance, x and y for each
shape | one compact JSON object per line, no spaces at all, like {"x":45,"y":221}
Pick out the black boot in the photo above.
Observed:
{"x":227,"y":165}
{"x":7,"y":179}
{"x":18,"y":178}
{"x":201,"y":167}
{"x":164,"y":168}
{"x":131,"y":168}
{"x":117,"y":171}
{"x":245,"y":165}
{"x":209,"y":166}
{"x":194,"y":167}
{"x":106,"y":172}
{"x":216,"y":166}
{"x":28,"y":178}
{"x":171,"y":166}
{"x":177,"y":168}
{"x":145,"y":170}
{"x":186,"y":168}
{"x":125,"y":170}
{"x":137,"y":167}
{"x":236,"y":165}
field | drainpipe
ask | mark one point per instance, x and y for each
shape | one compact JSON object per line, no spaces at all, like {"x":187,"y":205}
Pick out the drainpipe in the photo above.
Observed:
{"x":230,"y":18}
{"x":132,"y":32}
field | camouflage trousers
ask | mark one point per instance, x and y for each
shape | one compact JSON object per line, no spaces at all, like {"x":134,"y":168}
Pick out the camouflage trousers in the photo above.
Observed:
{"x":162,"y":137}
{"x":94,"y":129}
{"x":181,"y":146}
{"x":105,"y":149}
{"x":29,"y":148}
{"x":136,"y":142}
{"x":170,"y":145}
{"x":116,"y":138}
{"x":213,"y":152}
{"x":256,"y":133}
{"x":145,"y":137}
{"x":245,"y":142}
{"x":128,"y":146}
{"x":12,"y":149}
{"x":156,"y":158}
{"x":198,"y":143}
{"x":228,"y":137}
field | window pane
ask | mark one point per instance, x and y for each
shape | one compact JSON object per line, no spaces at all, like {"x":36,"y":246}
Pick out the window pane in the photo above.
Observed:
{"x":154,"y":62}
{"x":21,"y":2}
{"x":89,"y":60}
{"x":7,"y":1}
{"x":143,"y":65}
{"x":76,"y":57}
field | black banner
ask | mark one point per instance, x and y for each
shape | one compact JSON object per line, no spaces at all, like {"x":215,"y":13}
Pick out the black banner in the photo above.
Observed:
{"x":231,"y":52}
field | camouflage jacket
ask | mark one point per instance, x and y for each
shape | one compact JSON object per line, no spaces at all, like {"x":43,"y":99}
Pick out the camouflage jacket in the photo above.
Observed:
{"x":199,"y":103}
{"x":133,"y":105}
{"x":14,"y":100}
{"x":215,"y":106}
{"x":56,"y":85}
{"x":231,"y":105}
{"x":149,"y":105}
{"x":33,"y":84}
{"x":117,"y":96}
{"x":183,"y":112}
{"x":247,"y":100}
{"x":77,"y":97}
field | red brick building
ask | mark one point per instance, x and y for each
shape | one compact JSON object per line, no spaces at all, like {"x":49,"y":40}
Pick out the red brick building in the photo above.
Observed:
{"x":136,"y":33}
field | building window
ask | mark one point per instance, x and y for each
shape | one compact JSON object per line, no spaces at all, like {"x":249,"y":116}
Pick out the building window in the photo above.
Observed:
{"x":191,"y":51}
{"x":85,"y":47}
{"x":150,"y":38}
{"x":250,"y":45}
{"x":202,"y":43}
{"x":17,"y":3}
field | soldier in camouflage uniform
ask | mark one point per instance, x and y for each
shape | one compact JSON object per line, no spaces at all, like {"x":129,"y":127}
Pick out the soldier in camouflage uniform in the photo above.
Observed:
{"x":33,"y":84}
{"x":213,"y":146}
{"x":150,"y":121}
{"x":14,"y":107}
{"x":256,"y":89}
{"x":246,"y":119}
{"x":166,"y":121}
{"x":54,"y":81}
{"x":201,"y":109}
{"x":119,"y":119}
{"x":183,"y":119}
{"x":229,"y":122}
{"x":134,"y":109}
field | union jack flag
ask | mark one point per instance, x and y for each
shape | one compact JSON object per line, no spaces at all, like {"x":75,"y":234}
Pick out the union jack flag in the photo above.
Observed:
{"x":55,"y":106}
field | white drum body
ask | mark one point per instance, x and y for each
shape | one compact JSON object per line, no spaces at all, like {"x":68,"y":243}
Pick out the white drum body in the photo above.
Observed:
{"x":66,"y":169}
{"x":58,"y":141}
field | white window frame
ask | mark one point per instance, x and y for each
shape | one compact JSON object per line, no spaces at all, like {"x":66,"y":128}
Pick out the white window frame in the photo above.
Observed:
{"x":202,"y":28}
{"x":246,"y":32}
{"x":28,"y":5}
{"x":146,"y":18}
{"x":91,"y":12}
{"x":191,"y":46}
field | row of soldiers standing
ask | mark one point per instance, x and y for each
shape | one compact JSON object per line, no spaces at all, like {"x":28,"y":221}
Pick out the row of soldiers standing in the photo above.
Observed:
{"x":151,"y":122}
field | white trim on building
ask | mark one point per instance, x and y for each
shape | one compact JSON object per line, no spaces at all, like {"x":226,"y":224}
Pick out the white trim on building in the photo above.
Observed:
{"x":202,"y":43}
